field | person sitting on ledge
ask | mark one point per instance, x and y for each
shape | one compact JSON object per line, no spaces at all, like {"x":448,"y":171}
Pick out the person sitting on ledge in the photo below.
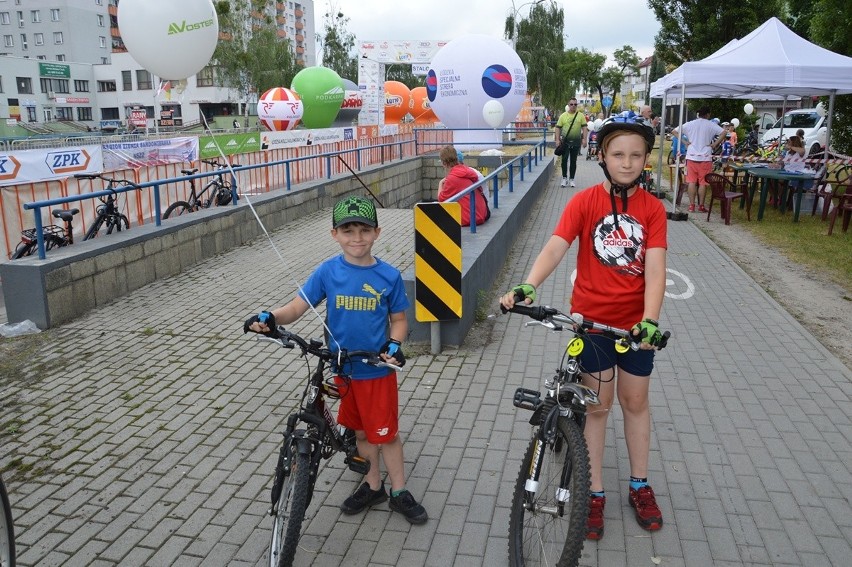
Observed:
{"x":458,"y":178}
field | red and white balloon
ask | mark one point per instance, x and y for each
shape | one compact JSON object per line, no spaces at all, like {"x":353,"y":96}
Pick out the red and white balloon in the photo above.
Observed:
{"x":279,"y":109}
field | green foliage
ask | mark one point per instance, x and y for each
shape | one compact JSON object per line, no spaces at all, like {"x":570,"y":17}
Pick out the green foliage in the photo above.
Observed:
{"x":829,"y":28}
{"x":338,"y":45}
{"x":540,"y":45}
{"x":403,"y":74}
{"x":580,"y":67}
{"x":251,"y":61}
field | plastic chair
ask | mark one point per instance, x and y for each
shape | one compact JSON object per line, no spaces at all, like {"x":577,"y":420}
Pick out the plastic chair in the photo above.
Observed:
{"x":844,"y":207}
{"x":721,"y":189}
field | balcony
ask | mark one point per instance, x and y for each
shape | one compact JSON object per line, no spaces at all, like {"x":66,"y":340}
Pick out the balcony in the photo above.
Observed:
{"x":300,"y":25}
{"x":280,"y":20}
{"x":281,"y":34}
{"x":280,"y":6}
{"x":300,"y":38}
{"x":298,"y":13}
{"x":300,"y":50}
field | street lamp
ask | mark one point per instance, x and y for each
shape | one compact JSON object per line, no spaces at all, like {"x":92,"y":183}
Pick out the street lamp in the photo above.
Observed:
{"x":515,"y":12}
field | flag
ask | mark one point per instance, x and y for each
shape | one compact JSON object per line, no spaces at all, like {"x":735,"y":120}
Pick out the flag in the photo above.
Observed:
{"x":165,"y":87}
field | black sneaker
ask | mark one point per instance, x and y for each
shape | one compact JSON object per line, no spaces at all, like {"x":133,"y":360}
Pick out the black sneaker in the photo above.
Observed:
{"x":406,"y":505}
{"x":363,"y":498}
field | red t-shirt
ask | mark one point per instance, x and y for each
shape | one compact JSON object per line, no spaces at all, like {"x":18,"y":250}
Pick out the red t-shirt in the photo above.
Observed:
{"x":610,"y":283}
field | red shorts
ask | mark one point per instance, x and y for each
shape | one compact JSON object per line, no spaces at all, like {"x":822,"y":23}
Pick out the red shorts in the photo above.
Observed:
{"x":371,"y":406}
{"x":696,"y":171}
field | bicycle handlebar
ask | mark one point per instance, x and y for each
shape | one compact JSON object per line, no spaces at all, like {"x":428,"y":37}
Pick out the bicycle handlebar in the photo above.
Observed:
{"x":286,"y":339}
{"x":553,"y":319}
{"x":110,"y":180}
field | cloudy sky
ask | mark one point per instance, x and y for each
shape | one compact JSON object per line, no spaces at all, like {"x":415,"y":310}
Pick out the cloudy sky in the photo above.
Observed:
{"x":601,"y":26}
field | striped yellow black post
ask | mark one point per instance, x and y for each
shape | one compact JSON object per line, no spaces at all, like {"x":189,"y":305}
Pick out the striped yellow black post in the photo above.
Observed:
{"x":437,"y":262}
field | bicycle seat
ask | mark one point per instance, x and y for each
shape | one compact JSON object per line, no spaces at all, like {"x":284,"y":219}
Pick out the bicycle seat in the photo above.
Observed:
{"x":65,"y":214}
{"x":189,"y":171}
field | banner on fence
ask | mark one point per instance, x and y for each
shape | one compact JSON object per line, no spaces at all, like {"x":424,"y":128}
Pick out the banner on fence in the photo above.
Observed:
{"x":230,"y":144}
{"x":297,"y":138}
{"x":143,"y":153}
{"x":28,"y":166}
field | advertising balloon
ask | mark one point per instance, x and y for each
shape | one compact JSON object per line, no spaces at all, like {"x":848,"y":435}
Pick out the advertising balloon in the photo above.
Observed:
{"x":421,"y":110}
{"x":492,"y":113}
{"x":172,"y":40}
{"x":470,"y":71}
{"x":748,"y":108}
{"x":279,"y":109}
{"x":353,"y":100}
{"x":397,"y":101}
{"x":321,"y":92}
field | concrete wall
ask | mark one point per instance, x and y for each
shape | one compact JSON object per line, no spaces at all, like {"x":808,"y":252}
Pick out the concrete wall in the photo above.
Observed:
{"x":76,"y":279}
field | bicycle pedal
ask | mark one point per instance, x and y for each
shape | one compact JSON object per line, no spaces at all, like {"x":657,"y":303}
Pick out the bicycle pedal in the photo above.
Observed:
{"x":527,"y":399}
{"x":357,"y":463}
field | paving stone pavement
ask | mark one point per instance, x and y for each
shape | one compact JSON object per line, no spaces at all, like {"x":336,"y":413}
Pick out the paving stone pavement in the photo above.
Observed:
{"x":145,"y":433}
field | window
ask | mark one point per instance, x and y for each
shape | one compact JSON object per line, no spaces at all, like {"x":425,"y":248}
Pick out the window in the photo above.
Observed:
{"x":1,"y":89}
{"x":84,"y":113}
{"x":110,"y":114}
{"x":57,"y":37}
{"x":102,"y":40}
{"x":204,"y":78}
{"x":143,"y":80}
{"x":23,"y":41}
{"x":126,"y":81}
{"x":25,"y":85}
{"x":41,"y":57}
{"x":64,"y":113}
{"x":100,"y":20}
{"x":36,"y":16}
{"x":20,"y":19}
{"x":54,"y":14}
{"x":45,"y":85}
{"x":81,"y":86}
{"x":4,"y":18}
{"x":106,"y":86}
{"x":104,"y":60}
{"x":60,"y":57}
{"x":39,"y":38}
{"x":61,"y":85}
{"x":9,"y":41}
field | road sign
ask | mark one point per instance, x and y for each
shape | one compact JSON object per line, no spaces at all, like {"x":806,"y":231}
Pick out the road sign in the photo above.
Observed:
{"x":607,"y":101}
{"x":437,"y":262}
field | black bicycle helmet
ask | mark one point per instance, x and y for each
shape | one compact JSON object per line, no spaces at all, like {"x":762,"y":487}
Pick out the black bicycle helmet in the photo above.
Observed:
{"x":631,"y":122}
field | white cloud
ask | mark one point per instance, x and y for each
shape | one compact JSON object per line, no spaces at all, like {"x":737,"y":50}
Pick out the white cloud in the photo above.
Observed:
{"x":601,"y":26}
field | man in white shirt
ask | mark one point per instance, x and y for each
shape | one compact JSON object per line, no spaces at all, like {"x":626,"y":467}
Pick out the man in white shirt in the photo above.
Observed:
{"x":704,"y":137}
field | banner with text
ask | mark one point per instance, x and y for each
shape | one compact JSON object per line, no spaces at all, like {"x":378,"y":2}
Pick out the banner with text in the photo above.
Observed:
{"x":230,"y":144}
{"x":29,"y":166}
{"x":125,"y":155}
{"x":296,"y":138}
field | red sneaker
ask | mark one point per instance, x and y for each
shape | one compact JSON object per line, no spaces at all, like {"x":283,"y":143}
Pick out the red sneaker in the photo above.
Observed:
{"x":701,"y":209}
{"x":595,"y":523}
{"x":691,"y":208}
{"x":647,"y":512}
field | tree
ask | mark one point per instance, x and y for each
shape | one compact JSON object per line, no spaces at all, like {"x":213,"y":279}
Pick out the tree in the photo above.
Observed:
{"x":828,"y":28}
{"x":403,"y":74}
{"x":539,"y":44}
{"x":656,"y":71}
{"x":250,"y":57}
{"x":338,"y":45}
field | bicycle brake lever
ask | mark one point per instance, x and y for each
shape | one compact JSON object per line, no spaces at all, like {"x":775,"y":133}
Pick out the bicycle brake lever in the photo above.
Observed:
{"x":278,"y":341}
{"x":549,"y":324}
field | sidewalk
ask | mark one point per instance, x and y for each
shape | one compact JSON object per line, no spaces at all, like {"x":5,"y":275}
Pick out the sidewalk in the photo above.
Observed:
{"x":148,"y":430}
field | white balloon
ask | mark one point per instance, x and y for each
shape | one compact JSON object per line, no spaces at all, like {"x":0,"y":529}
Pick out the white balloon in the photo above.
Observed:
{"x":735,"y":122}
{"x":469,"y":72}
{"x":591,"y":126}
{"x":598,"y":124}
{"x":820,"y":109}
{"x":748,"y":108}
{"x":492,"y":113}
{"x":171,"y":39}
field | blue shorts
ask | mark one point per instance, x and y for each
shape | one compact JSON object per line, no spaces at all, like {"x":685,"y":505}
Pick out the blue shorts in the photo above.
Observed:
{"x":599,"y":354}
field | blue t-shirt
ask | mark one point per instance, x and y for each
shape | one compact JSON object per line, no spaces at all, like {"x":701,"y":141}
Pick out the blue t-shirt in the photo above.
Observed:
{"x":727,"y":149}
{"x":359,"y":301}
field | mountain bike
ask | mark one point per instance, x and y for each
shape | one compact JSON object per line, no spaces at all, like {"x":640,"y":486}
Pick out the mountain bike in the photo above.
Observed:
{"x":7,"y":530}
{"x":109,"y":217}
{"x":550,"y":505}
{"x":311,"y":434}
{"x":219,"y":191}
{"x":54,"y":235}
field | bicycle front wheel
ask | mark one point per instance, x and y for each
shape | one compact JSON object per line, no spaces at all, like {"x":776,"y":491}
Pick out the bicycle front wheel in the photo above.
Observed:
{"x":292,"y":504}
{"x":23,"y":249}
{"x":177,"y":208}
{"x":118,"y":222}
{"x":549,"y":526}
{"x":7,"y":530}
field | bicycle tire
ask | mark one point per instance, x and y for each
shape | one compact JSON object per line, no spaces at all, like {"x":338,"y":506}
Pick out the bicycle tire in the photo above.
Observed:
{"x":116,"y":222}
{"x":7,"y":530}
{"x":23,"y":249}
{"x":537,"y":536}
{"x":182,"y":207}
{"x":292,"y":505}
{"x":52,"y":241}
{"x":95,"y":228}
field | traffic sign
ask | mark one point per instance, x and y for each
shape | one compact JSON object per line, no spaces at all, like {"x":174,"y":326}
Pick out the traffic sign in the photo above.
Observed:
{"x":607,"y":101}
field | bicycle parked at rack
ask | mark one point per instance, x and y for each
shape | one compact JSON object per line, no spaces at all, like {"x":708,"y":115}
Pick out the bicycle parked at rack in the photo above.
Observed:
{"x":108,"y":219}
{"x":219,"y":191}
{"x":550,"y":504}
{"x":7,"y":530}
{"x":311,"y":434}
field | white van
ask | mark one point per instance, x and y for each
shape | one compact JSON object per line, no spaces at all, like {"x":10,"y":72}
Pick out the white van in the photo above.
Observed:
{"x":808,"y":120}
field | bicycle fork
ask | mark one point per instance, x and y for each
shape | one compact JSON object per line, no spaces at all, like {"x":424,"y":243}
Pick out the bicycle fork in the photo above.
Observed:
{"x":545,"y":436}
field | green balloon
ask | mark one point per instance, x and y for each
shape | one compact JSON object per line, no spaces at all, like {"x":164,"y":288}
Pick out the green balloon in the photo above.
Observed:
{"x":322,"y":93}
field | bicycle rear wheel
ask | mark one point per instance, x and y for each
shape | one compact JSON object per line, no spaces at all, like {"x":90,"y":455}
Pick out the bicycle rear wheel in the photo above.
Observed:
{"x":292,"y":504}
{"x":7,"y":530}
{"x":23,"y":249}
{"x":547,"y":529}
{"x":177,"y":208}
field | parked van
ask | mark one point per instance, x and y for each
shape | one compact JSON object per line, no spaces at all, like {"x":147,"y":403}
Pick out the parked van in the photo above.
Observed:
{"x":808,"y":120}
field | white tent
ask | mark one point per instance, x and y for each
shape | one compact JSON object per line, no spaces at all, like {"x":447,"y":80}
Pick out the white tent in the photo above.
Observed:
{"x":771,"y":62}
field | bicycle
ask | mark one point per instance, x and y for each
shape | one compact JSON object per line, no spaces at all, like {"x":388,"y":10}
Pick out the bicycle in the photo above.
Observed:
{"x":220,"y":191}
{"x":7,"y":530}
{"x":311,"y":434}
{"x":108,"y":215}
{"x":54,"y":235}
{"x":550,"y":504}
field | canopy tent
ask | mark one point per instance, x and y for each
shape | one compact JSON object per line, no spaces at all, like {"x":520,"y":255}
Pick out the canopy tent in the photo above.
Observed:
{"x":771,"y":62}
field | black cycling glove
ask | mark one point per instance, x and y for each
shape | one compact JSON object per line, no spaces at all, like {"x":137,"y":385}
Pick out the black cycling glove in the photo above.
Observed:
{"x":393,"y":348}
{"x":264,"y":317}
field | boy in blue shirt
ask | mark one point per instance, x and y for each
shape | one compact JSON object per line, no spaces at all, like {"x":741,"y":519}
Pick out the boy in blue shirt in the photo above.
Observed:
{"x":364,"y":296}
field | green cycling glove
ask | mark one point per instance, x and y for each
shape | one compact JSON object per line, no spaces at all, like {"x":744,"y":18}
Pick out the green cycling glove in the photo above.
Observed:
{"x":525,"y":290}
{"x":648,"y":331}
